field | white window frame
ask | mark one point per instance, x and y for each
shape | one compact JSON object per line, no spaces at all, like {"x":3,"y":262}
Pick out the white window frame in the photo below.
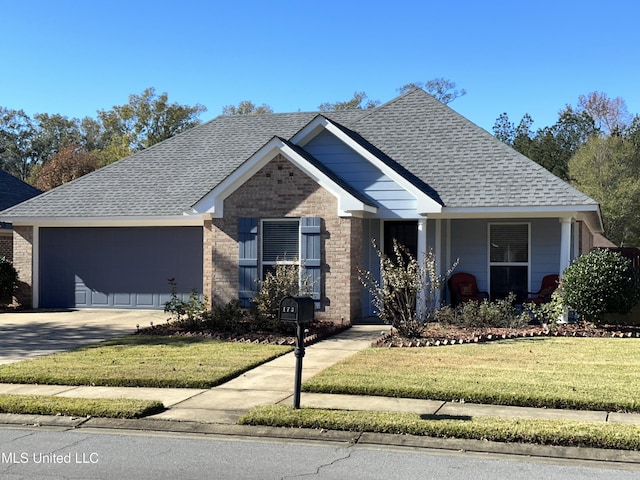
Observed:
{"x":509,"y":264}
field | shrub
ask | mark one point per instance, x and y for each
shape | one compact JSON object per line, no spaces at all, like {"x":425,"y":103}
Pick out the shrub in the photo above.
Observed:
{"x":191,"y":312}
{"x":403,"y":280}
{"x":497,"y":314}
{"x":283,"y":282}
{"x":600,"y":282}
{"x":8,"y":281}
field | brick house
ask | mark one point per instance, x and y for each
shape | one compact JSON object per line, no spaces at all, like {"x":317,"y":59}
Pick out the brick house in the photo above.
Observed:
{"x":12,"y":191}
{"x":219,"y":205}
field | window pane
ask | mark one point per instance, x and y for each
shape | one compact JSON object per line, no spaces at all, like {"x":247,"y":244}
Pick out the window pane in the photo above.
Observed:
{"x":509,"y":243}
{"x":280,"y":240}
{"x":509,"y":279}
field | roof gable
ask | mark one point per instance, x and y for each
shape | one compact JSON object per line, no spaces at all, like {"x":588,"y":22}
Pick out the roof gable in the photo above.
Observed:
{"x":350,"y":201}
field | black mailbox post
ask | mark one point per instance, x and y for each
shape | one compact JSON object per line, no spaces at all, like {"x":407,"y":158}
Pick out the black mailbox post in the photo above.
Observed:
{"x":298,"y":310}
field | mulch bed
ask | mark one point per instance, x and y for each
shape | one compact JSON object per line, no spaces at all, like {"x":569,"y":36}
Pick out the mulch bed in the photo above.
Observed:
{"x":436,"y":335}
{"x":317,"y":331}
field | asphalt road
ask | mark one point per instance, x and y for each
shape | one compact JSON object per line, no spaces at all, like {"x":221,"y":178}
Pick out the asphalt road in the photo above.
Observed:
{"x":39,"y":453}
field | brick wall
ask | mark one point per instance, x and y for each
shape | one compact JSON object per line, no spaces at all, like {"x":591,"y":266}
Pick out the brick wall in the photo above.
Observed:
{"x":23,"y":263}
{"x":281,"y":190}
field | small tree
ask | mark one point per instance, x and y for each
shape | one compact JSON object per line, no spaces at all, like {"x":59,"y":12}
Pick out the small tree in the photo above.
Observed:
{"x":8,"y":281}
{"x":600,"y":282}
{"x":404,"y":279}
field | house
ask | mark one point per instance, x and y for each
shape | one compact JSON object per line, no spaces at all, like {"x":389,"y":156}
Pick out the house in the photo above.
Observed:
{"x":12,"y":191}
{"x":219,"y":205}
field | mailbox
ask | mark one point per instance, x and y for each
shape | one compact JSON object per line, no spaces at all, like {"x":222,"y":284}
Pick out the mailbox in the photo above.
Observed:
{"x":296,"y":310}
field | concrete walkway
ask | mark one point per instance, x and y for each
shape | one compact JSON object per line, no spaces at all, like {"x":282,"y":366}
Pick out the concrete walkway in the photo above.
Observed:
{"x":273,"y":383}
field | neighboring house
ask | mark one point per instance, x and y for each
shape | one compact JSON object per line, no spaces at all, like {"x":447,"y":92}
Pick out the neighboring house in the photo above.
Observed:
{"x":12,"y":191}
{"x":219,"y":205}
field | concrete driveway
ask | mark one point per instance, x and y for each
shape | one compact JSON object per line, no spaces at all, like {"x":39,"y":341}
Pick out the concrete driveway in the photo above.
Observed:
{"x":42,"y":332}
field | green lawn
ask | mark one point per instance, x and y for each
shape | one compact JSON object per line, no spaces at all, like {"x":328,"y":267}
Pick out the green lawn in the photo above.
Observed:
{"x":578,"y":373}
{"x":144,"y":361}
{"x":543,"y":432}
{"x":78,"y":407}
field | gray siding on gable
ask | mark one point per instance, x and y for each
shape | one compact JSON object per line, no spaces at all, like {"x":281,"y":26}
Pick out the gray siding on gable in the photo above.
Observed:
{"x":118,"y":267}
{"x":392,"y":200}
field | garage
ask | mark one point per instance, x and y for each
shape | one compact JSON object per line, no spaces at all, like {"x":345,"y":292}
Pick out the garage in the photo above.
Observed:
{"x":117,"y":267}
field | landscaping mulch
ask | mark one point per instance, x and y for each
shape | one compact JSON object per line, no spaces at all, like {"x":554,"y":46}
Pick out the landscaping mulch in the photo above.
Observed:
{"x":317,"y":331}
{"x":436,"y":335}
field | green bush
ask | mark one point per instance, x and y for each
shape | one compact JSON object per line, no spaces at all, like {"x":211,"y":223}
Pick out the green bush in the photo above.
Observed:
{"x":8,"y":281}
{"x":600,"y":282}
{"x":191,"y":313}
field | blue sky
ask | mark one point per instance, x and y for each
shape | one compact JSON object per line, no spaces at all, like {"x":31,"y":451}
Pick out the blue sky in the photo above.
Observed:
{"x":77,"y":57}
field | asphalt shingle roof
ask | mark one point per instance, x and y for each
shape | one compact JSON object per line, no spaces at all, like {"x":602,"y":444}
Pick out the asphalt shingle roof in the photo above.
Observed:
{"x":13,"y":190}
{"x":458,"y":163}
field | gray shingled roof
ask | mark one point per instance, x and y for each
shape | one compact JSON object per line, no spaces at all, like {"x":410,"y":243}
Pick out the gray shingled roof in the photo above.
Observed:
{"x":463,"y":164}
{"x":13,"y":190}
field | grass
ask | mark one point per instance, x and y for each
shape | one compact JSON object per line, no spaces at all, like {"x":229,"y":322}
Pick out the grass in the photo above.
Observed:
{"x":78,"y":407}
{"x":543,"y":432}
{"x":144,"y":361}
{"x":576,"y":373}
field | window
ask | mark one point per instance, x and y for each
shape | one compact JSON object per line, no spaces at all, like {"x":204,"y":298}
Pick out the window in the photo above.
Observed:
{"x":509,"y":259}
{"x":286,"y":240}
{"x":280,"y":244}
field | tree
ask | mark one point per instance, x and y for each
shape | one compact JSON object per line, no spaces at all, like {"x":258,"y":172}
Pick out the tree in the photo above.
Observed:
{"x":610,"y":114}
{"x":442,"y":89}
{"x":17,"y":154}
{"x":246,"y":107}
{"x":146,"y":120}
{"x":70,"y":163}
{"x":359,"y":101}
{"x":553,"y":146}
{"x":608,"y":169}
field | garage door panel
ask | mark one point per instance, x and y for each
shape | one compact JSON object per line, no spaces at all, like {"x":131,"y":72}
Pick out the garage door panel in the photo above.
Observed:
{"x":118,"y":267}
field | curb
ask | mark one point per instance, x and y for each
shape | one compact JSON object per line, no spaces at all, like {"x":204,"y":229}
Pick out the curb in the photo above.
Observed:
{"x":365,"y":439}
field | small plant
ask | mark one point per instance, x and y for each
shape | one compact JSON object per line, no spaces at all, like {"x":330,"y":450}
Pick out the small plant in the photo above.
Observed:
{"x":227,"y":318}
{"x":8,"y":281}
{"x":282,"y":282}
{"x":404,"y":279}
{"x":192,"y":311}
{"x":600,"y":282}
{"x":547,"y":313}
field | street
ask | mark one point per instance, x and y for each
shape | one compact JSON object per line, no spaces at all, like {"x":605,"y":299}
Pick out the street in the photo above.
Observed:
{"x":39,"y":453}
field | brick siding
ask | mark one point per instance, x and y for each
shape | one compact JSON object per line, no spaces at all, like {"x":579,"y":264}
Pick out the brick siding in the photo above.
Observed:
{"x":281,"y":190}
{"x":23,"y":263}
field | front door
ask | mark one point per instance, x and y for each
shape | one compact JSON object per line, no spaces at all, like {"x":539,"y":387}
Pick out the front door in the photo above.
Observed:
{"x":405,"y":232}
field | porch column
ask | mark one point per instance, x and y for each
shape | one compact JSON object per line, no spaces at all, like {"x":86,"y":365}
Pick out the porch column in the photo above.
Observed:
{"x":422,"y":251}
{"x":565,"y":243}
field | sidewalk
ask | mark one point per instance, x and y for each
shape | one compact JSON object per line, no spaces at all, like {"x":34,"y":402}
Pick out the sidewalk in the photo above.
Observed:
{"x":217,"y":410}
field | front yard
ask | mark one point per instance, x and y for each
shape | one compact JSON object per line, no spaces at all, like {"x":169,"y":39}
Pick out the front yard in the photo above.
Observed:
{"x":145,"y":361}
{"x":576,"y":373}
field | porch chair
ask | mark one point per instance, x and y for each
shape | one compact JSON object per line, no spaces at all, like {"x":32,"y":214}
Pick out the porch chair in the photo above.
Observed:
{"x":464,"y":288}
{"x":547,"y":287}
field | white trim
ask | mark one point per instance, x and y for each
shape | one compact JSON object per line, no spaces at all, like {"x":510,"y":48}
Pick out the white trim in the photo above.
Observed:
{"x":421,"y":301}
{"x":424,"y":203}
{"x":35,"y":268}
{"x":565,"y":243}
{"x":514,"y":212}
{"x":213,"y":202}
{"x":116,"y":221}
